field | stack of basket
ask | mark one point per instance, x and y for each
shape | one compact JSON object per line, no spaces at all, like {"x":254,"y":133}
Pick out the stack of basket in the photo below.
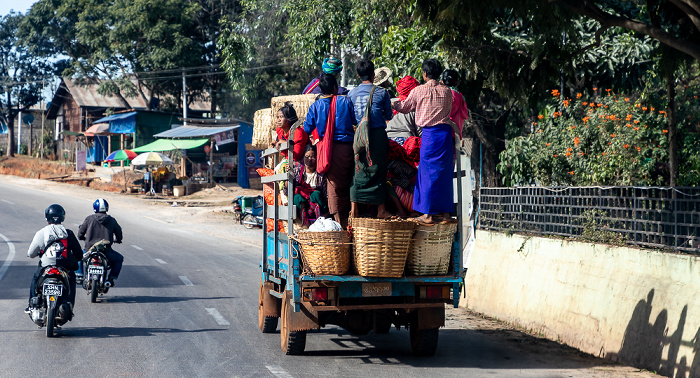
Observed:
{"x":381,"y":247}
{"x":301,"y":105}
{"x":263,"y":128}
{"x":265,"y":120}
{"x":325,"y":253}
{"x":430,"y":251}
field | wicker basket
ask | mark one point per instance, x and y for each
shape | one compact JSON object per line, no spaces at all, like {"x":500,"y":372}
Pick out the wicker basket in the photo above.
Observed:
{"x":430,"y":251}
{"x":325,"y":252}
{"x":381,"y":246}
{"x":262,"y":128}
{"x":301,"y":105}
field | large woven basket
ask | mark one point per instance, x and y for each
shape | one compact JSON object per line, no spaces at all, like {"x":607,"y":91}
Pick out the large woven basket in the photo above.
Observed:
{"x":263,"y":128}
{"x":430,"y":250}
{"x":381,"y":246}
{"x":301,"y":105}
{"x":325,"y":252}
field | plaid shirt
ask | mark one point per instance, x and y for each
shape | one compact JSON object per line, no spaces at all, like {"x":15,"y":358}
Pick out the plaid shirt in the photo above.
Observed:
{"x":431,"y":101}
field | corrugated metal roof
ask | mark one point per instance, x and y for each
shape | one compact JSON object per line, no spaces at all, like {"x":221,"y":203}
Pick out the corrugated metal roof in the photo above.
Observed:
{"x":87,"y":96}
{"x":194,"y":131}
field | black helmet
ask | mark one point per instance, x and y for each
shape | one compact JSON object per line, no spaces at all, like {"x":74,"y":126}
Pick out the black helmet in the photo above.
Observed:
{"x":55,"y":214}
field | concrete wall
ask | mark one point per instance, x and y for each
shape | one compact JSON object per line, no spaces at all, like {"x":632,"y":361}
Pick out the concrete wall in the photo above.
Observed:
{"x":639,"y":307}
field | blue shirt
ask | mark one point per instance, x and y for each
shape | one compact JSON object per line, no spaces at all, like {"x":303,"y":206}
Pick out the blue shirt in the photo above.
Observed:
{"x":344,"y":118}
{"x":381,"y":105}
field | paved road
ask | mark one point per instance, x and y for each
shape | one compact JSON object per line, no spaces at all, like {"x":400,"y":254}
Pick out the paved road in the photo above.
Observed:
{"x":186,"y":305}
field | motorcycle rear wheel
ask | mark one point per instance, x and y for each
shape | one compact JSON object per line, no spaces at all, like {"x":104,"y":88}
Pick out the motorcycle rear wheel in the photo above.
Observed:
{"x":50,"y":318}
{"x":95,"y":289}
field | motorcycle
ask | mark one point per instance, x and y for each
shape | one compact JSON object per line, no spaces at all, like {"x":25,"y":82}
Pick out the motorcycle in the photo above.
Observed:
{"x":50,"y":306}
{"x":248,"y":211}
{"x":95,"y":272}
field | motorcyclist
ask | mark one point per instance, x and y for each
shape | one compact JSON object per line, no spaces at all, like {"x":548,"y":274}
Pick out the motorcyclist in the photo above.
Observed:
{"x":49,"y":236}
{"x":100,"y":226}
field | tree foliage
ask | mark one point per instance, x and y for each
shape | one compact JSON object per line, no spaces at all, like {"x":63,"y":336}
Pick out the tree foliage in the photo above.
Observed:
{"x":22,"y":69}
{"x":276,"y":47}
{"x":118,"y":42}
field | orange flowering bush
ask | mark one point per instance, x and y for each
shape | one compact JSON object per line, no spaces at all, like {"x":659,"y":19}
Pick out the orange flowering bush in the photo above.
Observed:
{"x":589,"y":141}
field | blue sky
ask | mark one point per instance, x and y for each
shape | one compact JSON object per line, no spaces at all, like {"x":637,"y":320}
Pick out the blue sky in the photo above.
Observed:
{"x":20,"y":6}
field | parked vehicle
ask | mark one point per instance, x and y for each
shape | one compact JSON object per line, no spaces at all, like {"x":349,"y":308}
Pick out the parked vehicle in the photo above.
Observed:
{"x":359,"y":304}
{"x":248,"y":211}
{"x":50,"y":307}
{"x":96,"y":270}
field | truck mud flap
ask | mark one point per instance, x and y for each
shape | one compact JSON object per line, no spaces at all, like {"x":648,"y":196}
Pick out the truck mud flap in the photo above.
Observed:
{"x":428,"y":318}
{"x":304,"y":320}
{"x":272,"y":306}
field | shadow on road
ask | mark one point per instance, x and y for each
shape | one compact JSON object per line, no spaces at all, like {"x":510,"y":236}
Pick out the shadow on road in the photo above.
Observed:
{"x":103,"y":332}
{"x":484,"y":349}
{"x":153,"y":299}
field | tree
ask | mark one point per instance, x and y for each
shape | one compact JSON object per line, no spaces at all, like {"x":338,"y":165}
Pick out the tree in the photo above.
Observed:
{"x":134,"y":47}
{"x":276,"y":47}
{"x":22,"y":70}
{"x":549,"y":26}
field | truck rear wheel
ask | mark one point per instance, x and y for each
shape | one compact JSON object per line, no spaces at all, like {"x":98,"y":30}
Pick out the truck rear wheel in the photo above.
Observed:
{"x":293,"y":342}
{"x":267,"y":324}
{"x":423,"y":341}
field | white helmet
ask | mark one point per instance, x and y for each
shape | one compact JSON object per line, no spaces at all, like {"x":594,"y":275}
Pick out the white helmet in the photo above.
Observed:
{"x":100,"y":206}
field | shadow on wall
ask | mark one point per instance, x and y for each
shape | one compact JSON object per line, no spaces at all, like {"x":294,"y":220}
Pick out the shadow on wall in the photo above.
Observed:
{"x":644,"y":342}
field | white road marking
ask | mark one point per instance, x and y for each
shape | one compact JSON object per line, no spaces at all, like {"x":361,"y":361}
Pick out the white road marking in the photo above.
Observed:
{"x":10,"y":202}
{"x":162,"y":262}
{"x":186,"y":281}
{"x":278,"y":372}
{"x":217,"y":316}
{"x":137,"y":247}
{"x":157,"y":220}
{"x":10,"y":256}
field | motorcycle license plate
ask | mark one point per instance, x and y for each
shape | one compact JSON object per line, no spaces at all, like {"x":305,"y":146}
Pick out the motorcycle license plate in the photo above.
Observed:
{"x":96,"y":270}
{"x":52,"y":289}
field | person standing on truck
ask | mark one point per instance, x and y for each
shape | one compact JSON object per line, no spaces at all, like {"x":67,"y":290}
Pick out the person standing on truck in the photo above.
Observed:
{"x":335,"y":156}
{"x":459,"y":112}
{"x":371,"y":160}
{"x":432,"y":103}
{"x":330,"y":66}
{"x":100,"y":226}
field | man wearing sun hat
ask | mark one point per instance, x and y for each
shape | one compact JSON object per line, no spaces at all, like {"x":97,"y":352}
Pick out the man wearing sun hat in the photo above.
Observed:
{"x":330,"y":66}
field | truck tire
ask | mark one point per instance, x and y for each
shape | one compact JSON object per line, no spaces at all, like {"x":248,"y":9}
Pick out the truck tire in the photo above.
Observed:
{"x":293,"y":342}
{"x":267,"y":324}
{"x":423,"y":341}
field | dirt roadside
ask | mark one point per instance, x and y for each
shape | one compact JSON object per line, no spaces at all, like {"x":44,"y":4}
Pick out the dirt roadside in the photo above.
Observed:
{"x":209,"y":212}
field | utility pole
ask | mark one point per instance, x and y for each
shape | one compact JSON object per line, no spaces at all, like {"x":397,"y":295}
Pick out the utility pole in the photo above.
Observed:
{"x":184,"y":98}
{"x":19,"y":132}
{"x":344,"y":72}
{"x":43,"y":116}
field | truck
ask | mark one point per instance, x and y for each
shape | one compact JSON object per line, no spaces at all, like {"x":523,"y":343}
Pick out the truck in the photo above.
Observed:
{"x":302,"y":302}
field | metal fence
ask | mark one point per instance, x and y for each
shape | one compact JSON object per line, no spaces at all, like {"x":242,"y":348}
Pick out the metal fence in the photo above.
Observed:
{"x":656,"y":217}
